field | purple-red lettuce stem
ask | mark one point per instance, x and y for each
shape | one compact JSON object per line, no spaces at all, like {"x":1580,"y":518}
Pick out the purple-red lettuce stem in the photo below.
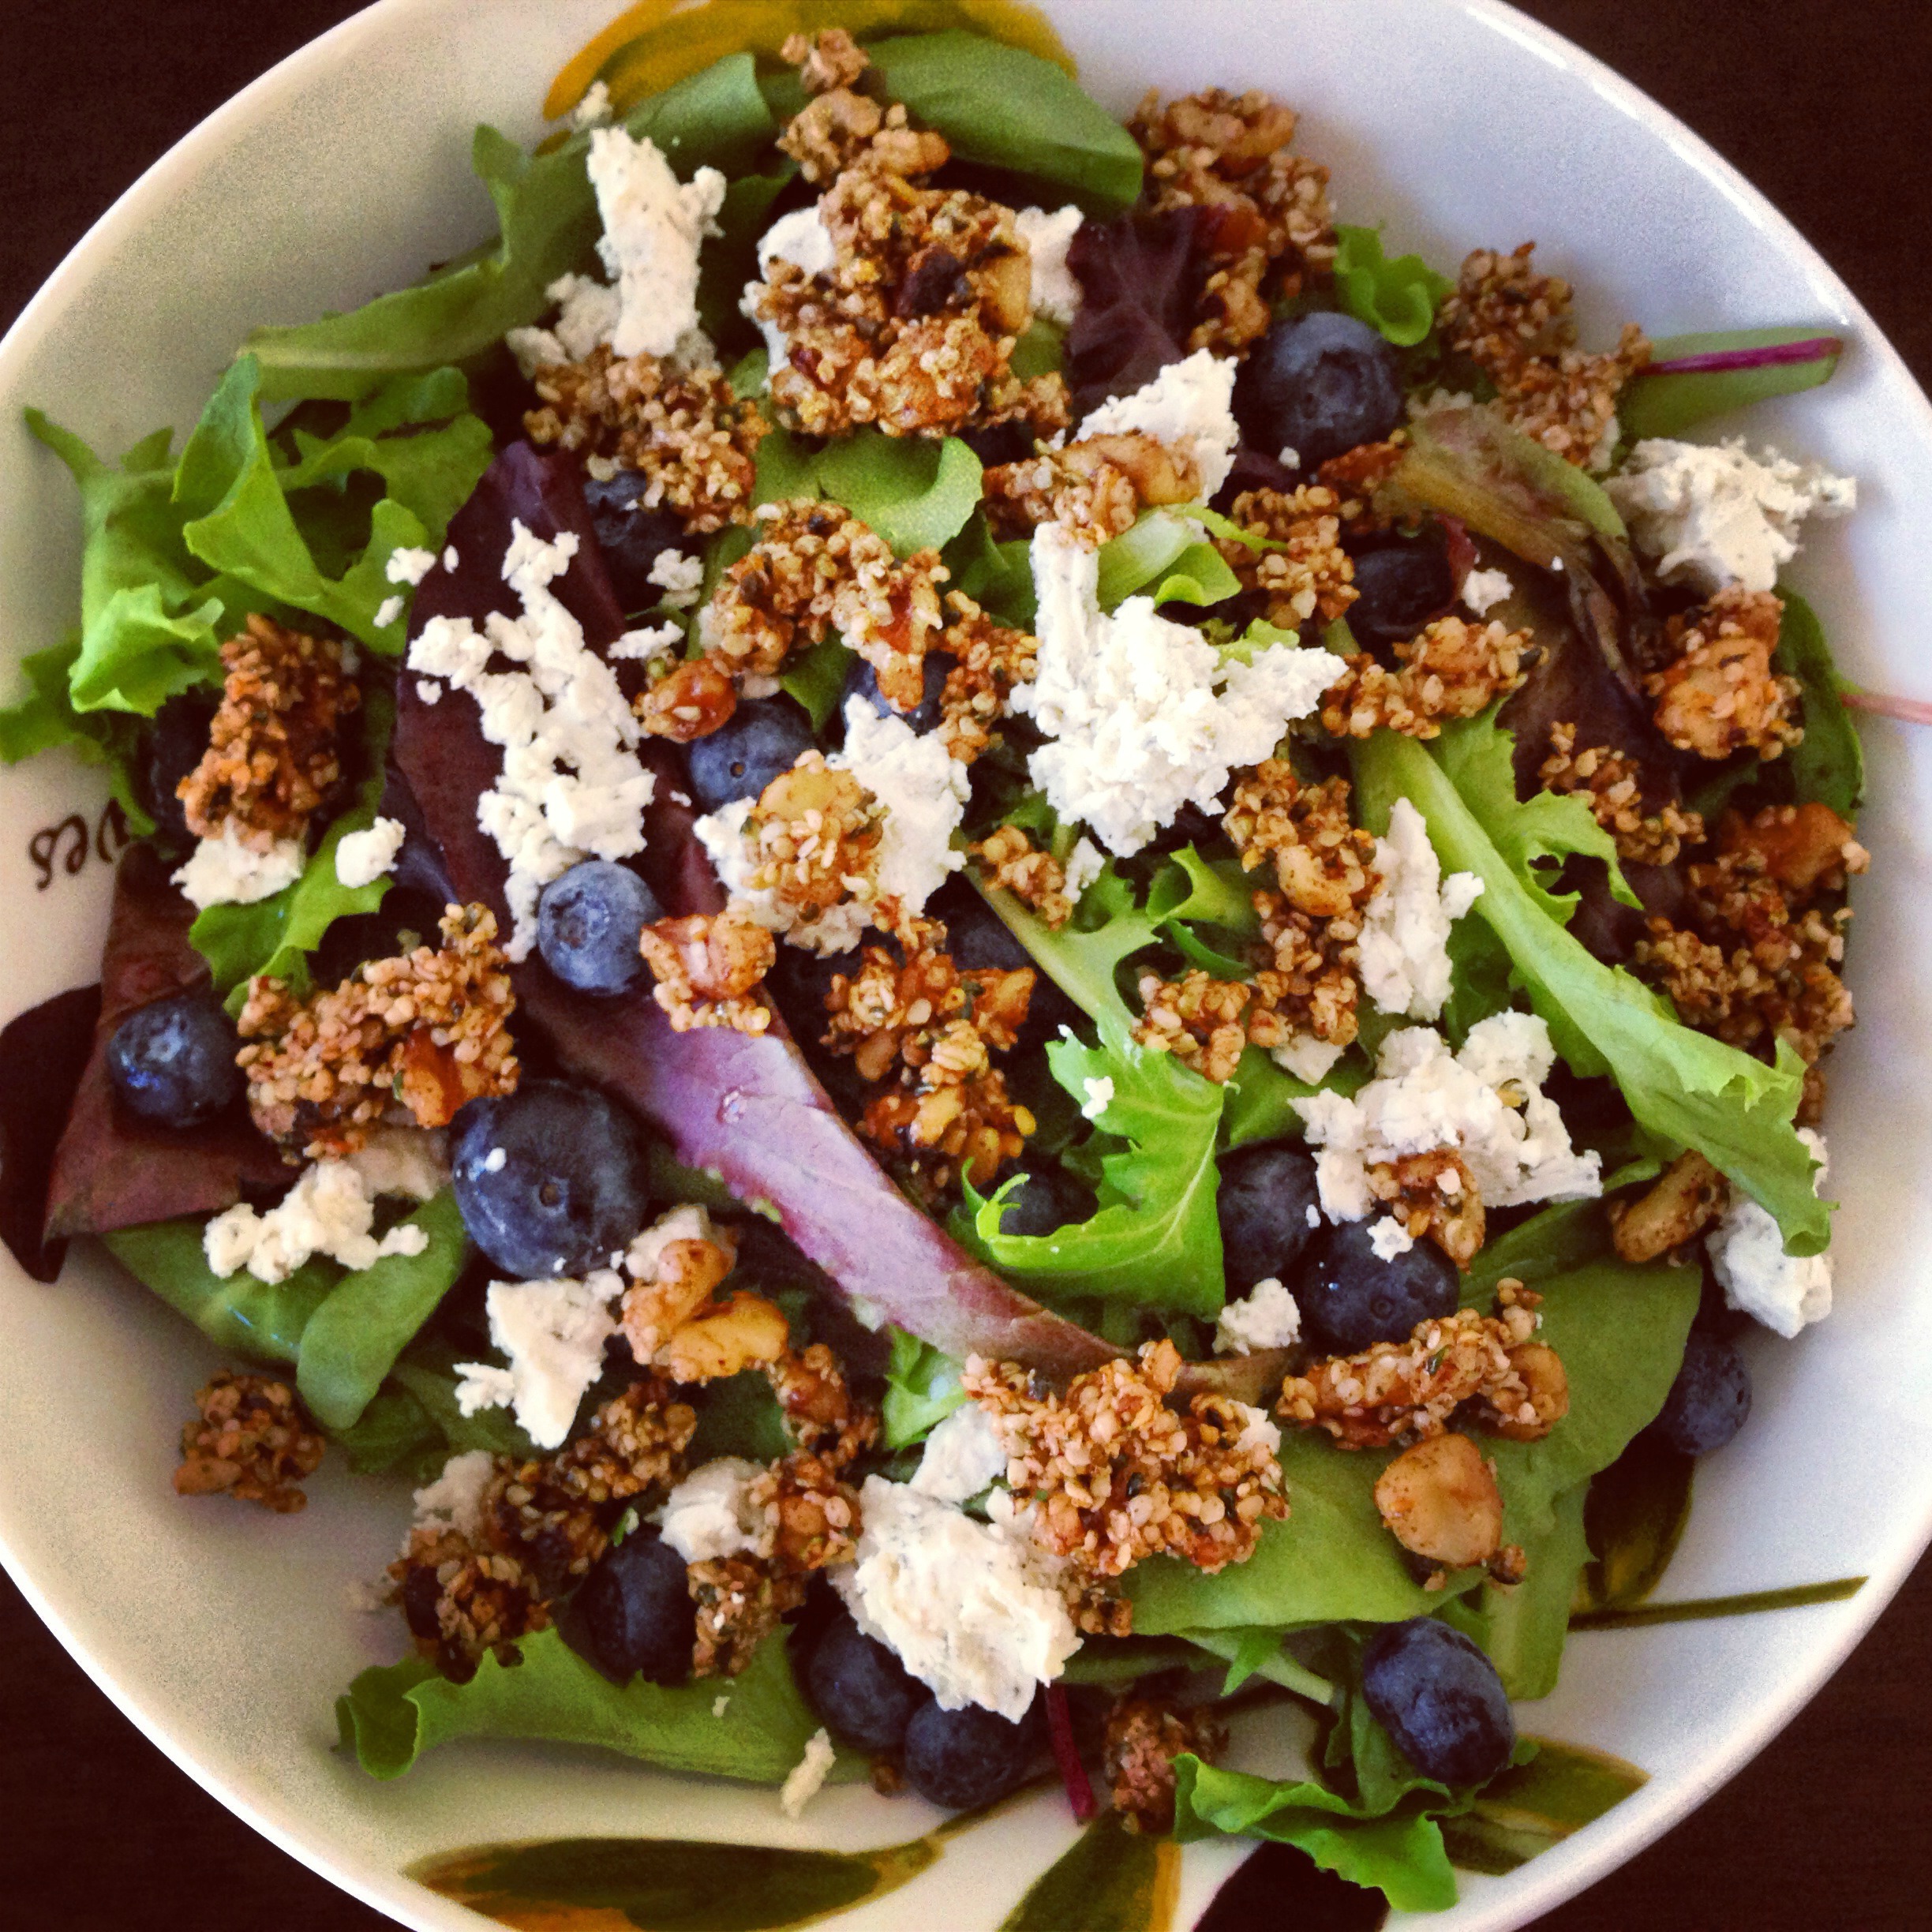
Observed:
{"x":1765,"y":355}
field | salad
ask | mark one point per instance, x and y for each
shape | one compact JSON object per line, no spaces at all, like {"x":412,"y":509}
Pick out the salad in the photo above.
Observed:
{"x":1003,"y":953}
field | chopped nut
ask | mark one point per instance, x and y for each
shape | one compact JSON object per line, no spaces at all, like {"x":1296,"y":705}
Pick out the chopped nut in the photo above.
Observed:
{"x":1673,"y":1211}
{"x":691,"y":700}
{"x":1719,"y":694}
{"x":1094,"y":488}
{"x":1324,"y":866}
{"x":1453,"y":669}
{"x":1303,"y":570}
{"x":990,"y":661}
{"x":1433,"y":1194}
{"x":683,"y":1275}
{"x":251,"y":1442}
{"x":818,"y":1403}
{"x":747,"y":1331}
{"x":1439,"y":1498}
{"x":709,"y":967}
{"x":1035,"y":878}
{"x":1197,"y":1018}
{"x":1143,"y":1737}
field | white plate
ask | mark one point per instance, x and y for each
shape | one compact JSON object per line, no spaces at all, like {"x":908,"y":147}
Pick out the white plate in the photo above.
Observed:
{"x":226,"y":1636}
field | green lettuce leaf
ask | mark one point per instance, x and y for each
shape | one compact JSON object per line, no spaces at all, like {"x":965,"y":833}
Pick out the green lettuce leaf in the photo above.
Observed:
{"x":548,"y":225}
{"x":1163,"y":556}
{"x":1522,"y":1630}
{"x":1687,"y":1087}
{"x":393,"y":1713}
{"x":1155,"y":1240}
{"x":911,"y":491}
{"x":998,"y":576}
{"x":1828,"y":763}
{"x":1668,"y":405}
{"x":922,"y":1389}
{"x":1003,"y":107}
{"x":1398,"y":297}
{"x":817,"y":678}
{"x":46,"y":718}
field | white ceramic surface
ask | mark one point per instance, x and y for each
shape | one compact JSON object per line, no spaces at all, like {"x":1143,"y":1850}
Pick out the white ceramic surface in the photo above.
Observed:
{"x":225,"y":1636}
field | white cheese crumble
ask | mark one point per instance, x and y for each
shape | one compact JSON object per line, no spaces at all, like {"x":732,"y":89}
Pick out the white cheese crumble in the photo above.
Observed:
{"x":1405,"y":937}
{"x":1259,"y":1431}
{"x":679,"y":577}
{"x":553,"y":1333}
{"x":653,"y":228}
{"x":330,"y":1210}
{"x":1289,"y":457}
{"x":1481,"y":589}
{"x":1267,"y":1317}
{"x":1099,"y":1096}
{"x":1085,"y":864}
{"x":1307,"y":1057}
{"x":803,"y":239}
{"x":1424,"y":1097}
{"x":1784,"y":1292}
{"x":224,"y":871}
{"x":429,"y":691}
{"x":361,"y":858}
{"x":455,"y":1500}
{"x":407,"y":566}
{"x":1389,"y":1237}
{"x":710,"y":1514}
{"x":1189,"y":406}
{"x":411,"y":1162}
{"x":571,"y":786}
{"x":648,"y":642}
{"x":1056,"y":292}
{"x":962,"y":1457}
{"x":593,"y":110}
{"x":967,"y":1607}
{"x":1145,"y":715}
{"x":388,"y":611}
{"x":450,"y":558}
{"x":1712,"y":514}
{"x":803,"y":1781}
{"x":688,"y":1222}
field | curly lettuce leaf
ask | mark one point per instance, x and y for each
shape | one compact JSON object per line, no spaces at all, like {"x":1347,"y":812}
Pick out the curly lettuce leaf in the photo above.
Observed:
{"x":912,"y":491}
{"x":1397,"y":298}
{"x":46,"y":718}
{"x":997,"y":576}
{"x":393,"y":1713}
{"x":1687,"y":1087}
{"x":1155,"y":1240}
{"x":922,"y":1389}
{"x":1164,"y":556}
{"x":1828,"y":763}
{"x":1001,"y":106}
{"x":548,"y":226}
{"x":1670,"y":402}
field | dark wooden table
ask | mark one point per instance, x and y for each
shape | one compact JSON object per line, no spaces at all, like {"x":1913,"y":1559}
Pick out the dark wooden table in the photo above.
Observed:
{"x":1816,"y":104}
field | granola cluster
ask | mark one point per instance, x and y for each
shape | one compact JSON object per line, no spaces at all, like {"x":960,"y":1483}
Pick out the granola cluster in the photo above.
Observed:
{"x":1199,"y":1019}
{"x":1012,"y":862}
{"x":990,"y":660}
{"x":841,"y":128}
{"x":1095,"y":488}
{"x":709,"y":967}
{"x":1434,"y":1196}
{"x":1455,"y":669}
{"x":415,"y":1037}
{"x":1718,"y":693}
{"x":1113,"y":1475}
{"x":1303,"y":570}
{"x":1613,"y":786}
{"x":274,"y":753}
{"x":1515,"y":325}
{"x":250,"y":1442}
{"x":1143,"y":1738}
{"x":1406,"y":1391}
{"x":682,"y":429}
{"x":1268,"y":230}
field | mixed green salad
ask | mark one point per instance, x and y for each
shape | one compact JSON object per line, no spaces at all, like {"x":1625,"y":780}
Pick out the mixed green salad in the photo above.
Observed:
{"x":1003,"y":952}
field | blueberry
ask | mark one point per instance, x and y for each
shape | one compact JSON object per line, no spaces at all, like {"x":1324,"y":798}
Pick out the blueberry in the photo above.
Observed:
{"x":1402,"y":588}
{"x":173,"y":1062}
{"x":588,"y":923}
{"x":550,"y":1180}
{"x":635,"y":1610}
{"x":1266,"y":1193}
{"x":1709,"y":1400}
{"x":1350,"y":1297}
{"x":860,"y":1689}
{"x":1441,"y":1699}
{"x":176,"y":740}
{"x":764,"y":737}
{"x":998,"y":444}
{"x":631,"y":538}
{"x":1047,"y":1198}
{"x":1318,"y":385}
{"x":862,"y":681}
{"x":963,"y":1759}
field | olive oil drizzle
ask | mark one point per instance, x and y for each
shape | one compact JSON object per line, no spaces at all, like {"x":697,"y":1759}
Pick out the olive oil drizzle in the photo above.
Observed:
{"x":1696,"y":1610}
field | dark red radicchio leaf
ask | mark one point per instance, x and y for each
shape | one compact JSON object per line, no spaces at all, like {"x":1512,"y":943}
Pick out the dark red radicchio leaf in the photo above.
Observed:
{"x":1139,"y":275}
{"x":113,"y":1169}
{"x":42,"y":1055}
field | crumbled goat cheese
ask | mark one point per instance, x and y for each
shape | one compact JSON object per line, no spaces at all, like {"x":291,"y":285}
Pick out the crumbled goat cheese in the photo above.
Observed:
{"x":455,"y":1500}
{"x":570,"y":785}
{"x":361,"y":858}
{"x":429,"y":691}
{"x":1099,"y":1096}
{"x":450,"y":558}
{"x":1266,"y":1317}
{"x":1785,"y":1292}
{"x":802,"y":1781}
{"x":679,"y":576}
{"x":409,"y":567}
{"x":720,"y":1704}
{"x":1289,"y":458}
{"x":553,"y":1334}
{"x":1085,"y":864}
{"x":967,"y":1607}
{"x":593,"y":110}
{"x":1259,"y":1431}
{"x":1405,"y":936}
{"x":1424,"y":1097}
{"x":689,"y":1222}
{"x":410,"y":1163}
{"x":924,"y":791}
{"x":387,"y":611}
{"x":1712,"y":515}
{"x":1483,"y":588}
{"x":709,"y":1514}
{"x":1056,"y":288}
{"x":1389,"y":1237}
{"x":803,"y":239}
{"x":223,"y":871}
{"x":1189,"y":406}
{"x":648,"y":642}
{"x":1145,"y":715}
{"x":963,"y":1456}
{"x":653,"y":228}
{"x":330,"y":1210}
{"x":1307,"y":1057}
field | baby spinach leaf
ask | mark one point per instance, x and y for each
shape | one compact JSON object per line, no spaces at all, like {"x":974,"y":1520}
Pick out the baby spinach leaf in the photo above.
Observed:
{"x":1665,"y":402}
{"x":739,"y":1416}
{"x":1003,"y":107}
{"x":1397,"y":297}
{"x":911,"y":491}
{"x":998,"y":576}
{"x":391,"y":1715}
{"x":1828,"y":763}
{"x":353,"y":1339}
{"x":1523,"y":1629}
{"x":1262,"y":1096}
{"x":1535,"y":1803}
{"x":1686,"y":1087}
{"x":548,"y":225}
{"x":922,"y":1389}
{"x":817,"y":679}
{"x":730,"y":260}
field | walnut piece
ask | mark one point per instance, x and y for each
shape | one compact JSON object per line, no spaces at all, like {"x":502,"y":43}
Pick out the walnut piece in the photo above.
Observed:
{"x":250,"y":1442}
